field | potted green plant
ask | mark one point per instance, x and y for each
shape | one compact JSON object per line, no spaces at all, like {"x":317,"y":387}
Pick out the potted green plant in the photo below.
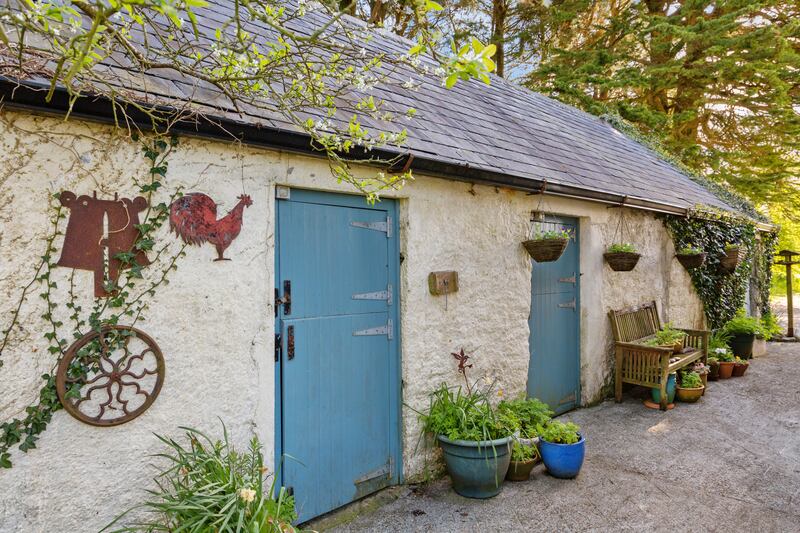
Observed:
{"x":770,"y":329}
{"x":622,"y":256}
{"x":528,"y":414}
{"x":725,"y":358}
{"x":690,"y":388}
{"x":702,"y":370}
{"x":475,"y":441}
{"x":668,"y":337}
{"x":742,"y":330}
{"x":713,"y":368}
{"x":691,"y":257}
{"x":739,"y":367}
{"x":563,"y":448}
{"x":733,"y":256}
{"x":523,"y":458}
{"x":547,"y":246}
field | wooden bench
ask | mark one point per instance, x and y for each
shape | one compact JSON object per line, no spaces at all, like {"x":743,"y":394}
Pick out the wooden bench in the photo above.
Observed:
{"x":649,"y":366}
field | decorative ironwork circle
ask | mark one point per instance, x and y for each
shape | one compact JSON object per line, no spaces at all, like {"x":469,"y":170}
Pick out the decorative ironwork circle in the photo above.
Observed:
{"x":111,"y":377}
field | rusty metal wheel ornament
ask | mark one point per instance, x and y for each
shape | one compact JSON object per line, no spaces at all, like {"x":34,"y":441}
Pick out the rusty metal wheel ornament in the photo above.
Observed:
{"x":111,"y":377}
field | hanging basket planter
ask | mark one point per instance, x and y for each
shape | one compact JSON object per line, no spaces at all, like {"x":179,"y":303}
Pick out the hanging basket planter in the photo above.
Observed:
{"x":690,"y":261}
{"x":733,"y":256}
{"x":622,"y":261}
{"x":546,"y":250}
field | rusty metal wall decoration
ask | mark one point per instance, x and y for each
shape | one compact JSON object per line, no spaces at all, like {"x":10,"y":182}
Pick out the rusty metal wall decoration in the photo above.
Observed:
{"x":193,"y":217}
{"x":110,"y":377}
{"x":97,"y":231}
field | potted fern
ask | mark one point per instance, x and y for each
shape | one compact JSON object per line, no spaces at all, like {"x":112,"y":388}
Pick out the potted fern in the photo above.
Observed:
{"x":563,"y":449}
{"x":690,"y":388}
{"x":622,"y":256}
{"x":475,"y":440}
{"x":742,"y":331}
{"x":691,"y":257}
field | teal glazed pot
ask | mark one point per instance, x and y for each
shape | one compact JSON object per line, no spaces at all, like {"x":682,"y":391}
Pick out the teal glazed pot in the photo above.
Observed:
{"x":563,"y":460}
{"x":656,"y":393}
{"x":477,"y":468}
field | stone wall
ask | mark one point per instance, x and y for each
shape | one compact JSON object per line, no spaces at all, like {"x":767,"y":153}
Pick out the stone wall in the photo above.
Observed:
{"x":214,"y":320}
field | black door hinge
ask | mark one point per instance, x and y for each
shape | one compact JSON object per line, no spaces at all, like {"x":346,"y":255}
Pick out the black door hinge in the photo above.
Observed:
{"x":278,"y":347}
{"x":286,"y":301}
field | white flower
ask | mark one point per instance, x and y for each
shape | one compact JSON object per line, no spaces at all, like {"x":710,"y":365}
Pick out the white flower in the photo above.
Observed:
{"x":721,"y":350}
{"x":247,"y":495}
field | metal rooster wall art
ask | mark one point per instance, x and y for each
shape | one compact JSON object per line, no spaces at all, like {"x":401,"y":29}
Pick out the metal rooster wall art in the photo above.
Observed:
{"x":193,"y":217}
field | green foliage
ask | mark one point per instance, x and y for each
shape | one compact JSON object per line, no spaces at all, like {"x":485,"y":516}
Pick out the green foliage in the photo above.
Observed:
{"x":715,"y":81}
{"x":667,"y":335}
{"x":551,"y":234}
{"x":208,"y":485}
{"x":770,"y":327}
{"x":739,"y":361}
{"x":560,"y":433}
{"x":127,"y":303}
{"x":528,"y":414}
{"x":464,"y":416}
{"x":722,"y":294}
{"x":741,"y":324}
{"x":523,"y":452}
{"x":690,"y":250}
{"x":691,"y":380}
{"x":622,"y":247}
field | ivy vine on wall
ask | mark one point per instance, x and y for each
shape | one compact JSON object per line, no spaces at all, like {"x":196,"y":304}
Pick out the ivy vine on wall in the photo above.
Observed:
{"x":63,"y":322}
{"x":724,"y":294}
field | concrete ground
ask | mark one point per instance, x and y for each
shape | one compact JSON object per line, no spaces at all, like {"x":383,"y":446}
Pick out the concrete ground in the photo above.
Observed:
{"x":731,"y":462}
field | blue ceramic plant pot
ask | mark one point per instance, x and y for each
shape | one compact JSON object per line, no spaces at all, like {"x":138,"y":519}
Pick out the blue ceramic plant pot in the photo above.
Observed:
{"x":656,"y":393}
{"x":563,"y":460}
{"x":476,"y":468}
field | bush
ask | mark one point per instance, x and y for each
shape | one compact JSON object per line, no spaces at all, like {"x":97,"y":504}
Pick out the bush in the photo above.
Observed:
{"x":560,"y":432}
{"x":528,"y":414}
{"x":691,"y":380}
{"x":742,"y":324}
{"x":460,"y":416}
{"x":770,"y":327}
{"x":210,"y":486}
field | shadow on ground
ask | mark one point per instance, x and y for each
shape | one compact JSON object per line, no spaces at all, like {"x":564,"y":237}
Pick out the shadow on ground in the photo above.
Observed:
{"x":728,"y":463}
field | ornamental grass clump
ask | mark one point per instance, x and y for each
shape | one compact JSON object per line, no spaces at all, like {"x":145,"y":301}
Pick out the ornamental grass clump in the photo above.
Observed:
{"x":209,"y":486}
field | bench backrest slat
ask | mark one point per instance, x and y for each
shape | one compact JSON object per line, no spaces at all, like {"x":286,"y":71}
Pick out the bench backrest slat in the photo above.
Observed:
{"x":636,"y":323}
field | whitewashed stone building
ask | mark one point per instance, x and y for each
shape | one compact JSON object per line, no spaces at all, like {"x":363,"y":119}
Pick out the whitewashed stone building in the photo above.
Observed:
{"x":368,"y":336}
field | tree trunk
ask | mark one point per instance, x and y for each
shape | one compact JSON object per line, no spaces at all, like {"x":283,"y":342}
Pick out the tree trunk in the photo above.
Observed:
{"x":499,"y":13}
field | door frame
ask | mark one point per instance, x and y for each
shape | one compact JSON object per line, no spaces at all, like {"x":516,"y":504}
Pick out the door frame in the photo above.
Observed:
{"x":565,"y":219}
{"x":395,"y":362}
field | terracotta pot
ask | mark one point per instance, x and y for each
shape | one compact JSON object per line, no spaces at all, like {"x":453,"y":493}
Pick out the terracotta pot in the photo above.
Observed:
{"x":725,"y":369}
{"x":520,"y":470}
{"x":739,"y":369}
{"x":689,"y":395}
{"x":714,"y":374}
{"x":546,"y":250}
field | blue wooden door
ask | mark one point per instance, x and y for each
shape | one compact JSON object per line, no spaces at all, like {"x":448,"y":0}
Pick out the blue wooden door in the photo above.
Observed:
{"x":338,"y":384}
{"x":554,"y":370}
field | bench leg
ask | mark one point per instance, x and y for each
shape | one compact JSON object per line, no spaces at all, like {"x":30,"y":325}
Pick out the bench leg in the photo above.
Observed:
{"x":618,"y":377}
{"x":664,"y":394}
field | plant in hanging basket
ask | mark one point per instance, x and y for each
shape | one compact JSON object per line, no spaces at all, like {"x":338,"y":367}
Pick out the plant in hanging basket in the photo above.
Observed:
{"x":691,"y":257}
{"x":733,"y":256}
{"x":622,"y":257}
{"x":547,"y":246}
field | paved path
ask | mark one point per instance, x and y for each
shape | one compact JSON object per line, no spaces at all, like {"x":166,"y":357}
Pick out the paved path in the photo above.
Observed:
{"x":728,"y":463}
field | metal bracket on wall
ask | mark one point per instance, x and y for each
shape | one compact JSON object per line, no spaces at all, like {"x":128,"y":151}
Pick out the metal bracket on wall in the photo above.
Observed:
{"x":387,"y":330}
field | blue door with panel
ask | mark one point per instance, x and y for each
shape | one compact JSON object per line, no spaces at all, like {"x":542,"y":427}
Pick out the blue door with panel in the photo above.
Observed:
{"x":337,"y":377}
{"x":554,"y":370}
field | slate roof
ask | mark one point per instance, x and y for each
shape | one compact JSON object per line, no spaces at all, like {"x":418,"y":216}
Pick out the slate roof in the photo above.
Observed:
{"x":499,"y":128}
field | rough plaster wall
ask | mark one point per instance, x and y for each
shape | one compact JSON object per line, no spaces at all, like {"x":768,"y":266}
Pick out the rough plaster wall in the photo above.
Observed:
{"x":209,"y":322}
{"x":214,"y":320}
